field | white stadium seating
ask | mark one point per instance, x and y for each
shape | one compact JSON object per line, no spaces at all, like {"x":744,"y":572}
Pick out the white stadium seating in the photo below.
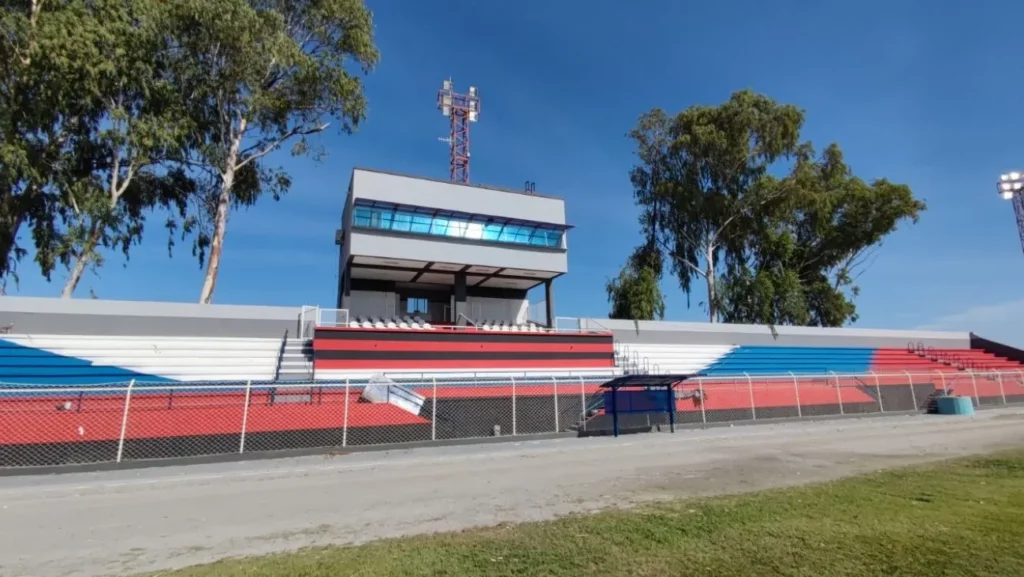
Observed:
{"x":665,"y":359}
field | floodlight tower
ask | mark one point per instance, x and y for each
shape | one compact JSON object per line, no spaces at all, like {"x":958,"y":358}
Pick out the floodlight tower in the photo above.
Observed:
{"x":462,"y":109}
{"x":1011,"y":187}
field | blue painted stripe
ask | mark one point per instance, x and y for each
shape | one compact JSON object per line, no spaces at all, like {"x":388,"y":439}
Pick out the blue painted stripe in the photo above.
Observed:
{"x":39,"y":367}
{"x":765,"y":360}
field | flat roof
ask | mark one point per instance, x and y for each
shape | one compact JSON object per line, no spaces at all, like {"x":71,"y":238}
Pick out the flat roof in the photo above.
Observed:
{"x":443,"y":181}
{"x":645,"y":381}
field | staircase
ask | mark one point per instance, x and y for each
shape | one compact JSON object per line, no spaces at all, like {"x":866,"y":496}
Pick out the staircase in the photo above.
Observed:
{"x":632,"y":363}
{"x":931,"y":404}
{"x":296,"y":360}
{"x":976,"y":360}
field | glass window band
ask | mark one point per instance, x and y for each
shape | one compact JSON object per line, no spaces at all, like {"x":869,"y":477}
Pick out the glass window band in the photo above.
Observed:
{"x":473,"y":228}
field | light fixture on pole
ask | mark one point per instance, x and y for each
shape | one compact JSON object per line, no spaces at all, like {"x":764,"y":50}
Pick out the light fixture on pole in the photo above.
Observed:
{"x":1011,"y":187}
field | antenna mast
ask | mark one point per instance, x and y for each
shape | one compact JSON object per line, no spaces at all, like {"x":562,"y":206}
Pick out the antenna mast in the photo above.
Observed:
{"x":461,"y":109}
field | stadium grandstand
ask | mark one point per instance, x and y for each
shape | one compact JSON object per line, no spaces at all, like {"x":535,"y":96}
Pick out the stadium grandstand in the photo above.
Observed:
{"x":431,"y":339}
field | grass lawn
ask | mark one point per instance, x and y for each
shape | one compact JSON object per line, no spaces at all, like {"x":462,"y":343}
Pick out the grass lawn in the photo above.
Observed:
{"x":962,"y":517}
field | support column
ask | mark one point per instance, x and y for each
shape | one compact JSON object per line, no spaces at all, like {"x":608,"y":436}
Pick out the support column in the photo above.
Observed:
{"x":344,"y":283}
{"x":460,"y":300}
{"x":549,"y":302}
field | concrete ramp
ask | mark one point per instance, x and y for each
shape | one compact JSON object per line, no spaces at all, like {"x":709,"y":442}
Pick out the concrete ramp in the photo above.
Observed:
{"x":381,"y":389}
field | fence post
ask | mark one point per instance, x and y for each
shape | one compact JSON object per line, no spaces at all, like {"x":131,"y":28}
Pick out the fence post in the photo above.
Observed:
{"x":1002,"y":391}
{"x":878,"y":391}
{"x":839,"y":392}
{"x":433,"y":413}
{"x":124,"y":420}
{"x":513,"y":405}
{"x":913,"y":395}
{"x":974,"y":385}
{"x":583,"y":405}
{"x":245,"y":416}
{"x":554,"y":383}
{"x":750,"y":390}
{"x":703,"y":397}
{"x":796,"y":389}
{"x":344,"y":424}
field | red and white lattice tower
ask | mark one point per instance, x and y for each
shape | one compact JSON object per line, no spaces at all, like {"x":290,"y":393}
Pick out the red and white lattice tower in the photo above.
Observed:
{"x":462,"y":109}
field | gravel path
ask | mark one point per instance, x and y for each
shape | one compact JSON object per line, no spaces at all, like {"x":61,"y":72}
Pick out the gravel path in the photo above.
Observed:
{"x":130,"y":521}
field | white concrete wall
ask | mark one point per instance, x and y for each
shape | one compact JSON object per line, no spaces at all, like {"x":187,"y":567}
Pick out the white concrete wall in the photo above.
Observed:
{"x":470,"y":199}
{"x":372,"y":303}
{"x":52,"y":316}
{"x":391,"y":245}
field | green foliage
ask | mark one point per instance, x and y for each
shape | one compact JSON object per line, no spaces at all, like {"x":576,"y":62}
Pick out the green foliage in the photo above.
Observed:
{"x":770,"y":250}
{"x":259,"y":74}
{"x":635,"y":294}
{"x":805,"y":253}
{"x":699,"y":173}
{"x":139,"y":145}
{"x":110,"y":109}
{"x":51,"y":58}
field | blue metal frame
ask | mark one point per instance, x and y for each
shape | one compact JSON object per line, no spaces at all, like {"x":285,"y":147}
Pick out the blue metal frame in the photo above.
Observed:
{"x":370,"y":214}
{"x":650,"y":382}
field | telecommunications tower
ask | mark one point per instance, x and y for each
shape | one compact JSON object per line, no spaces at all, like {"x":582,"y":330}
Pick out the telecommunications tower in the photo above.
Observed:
{"x":462,"y":109}
{"x":1011,"y":187}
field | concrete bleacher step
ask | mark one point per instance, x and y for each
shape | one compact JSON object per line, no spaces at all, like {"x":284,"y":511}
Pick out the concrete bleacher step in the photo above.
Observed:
{"x":296,"y":361}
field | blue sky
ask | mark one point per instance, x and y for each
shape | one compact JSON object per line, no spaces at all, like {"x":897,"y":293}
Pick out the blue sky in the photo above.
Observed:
{"x":919,"y":92}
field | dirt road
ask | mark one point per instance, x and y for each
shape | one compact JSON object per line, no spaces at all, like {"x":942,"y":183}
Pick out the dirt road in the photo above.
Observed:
{"x":129,"y":521}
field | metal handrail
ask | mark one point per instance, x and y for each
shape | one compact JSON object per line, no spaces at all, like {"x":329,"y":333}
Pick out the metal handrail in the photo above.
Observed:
{"x":280,"y":356}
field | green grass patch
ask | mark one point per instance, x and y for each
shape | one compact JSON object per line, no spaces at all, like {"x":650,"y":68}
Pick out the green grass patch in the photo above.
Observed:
{"x":963,"y":517}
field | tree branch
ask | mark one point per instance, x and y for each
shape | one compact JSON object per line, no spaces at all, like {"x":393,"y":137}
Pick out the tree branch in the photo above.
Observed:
{"x":259,"y":150}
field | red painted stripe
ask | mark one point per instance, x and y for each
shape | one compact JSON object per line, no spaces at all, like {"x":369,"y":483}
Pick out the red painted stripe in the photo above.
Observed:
{"x":354,"y":345}
{"x":442,"y":329}
{"x":346,"y":364}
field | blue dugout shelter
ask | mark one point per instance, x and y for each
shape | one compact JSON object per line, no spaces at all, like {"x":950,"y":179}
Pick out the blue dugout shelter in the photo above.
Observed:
{"x":642,"y":394}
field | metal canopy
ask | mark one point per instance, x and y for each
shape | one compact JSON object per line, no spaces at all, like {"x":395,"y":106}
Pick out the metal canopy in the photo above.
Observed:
{"x":646,"y":381}
{"x":667,"y":382}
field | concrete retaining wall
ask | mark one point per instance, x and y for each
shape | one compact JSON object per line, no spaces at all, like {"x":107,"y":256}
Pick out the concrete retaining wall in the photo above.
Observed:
{"x":662,"y":332}
{"x":33,"y":315}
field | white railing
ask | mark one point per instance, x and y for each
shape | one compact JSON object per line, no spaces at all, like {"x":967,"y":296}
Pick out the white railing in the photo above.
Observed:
{"x":308,"y":318}
{"x":332,"y":317}
{"x":52,"y":425}
{"x":311,"y":317}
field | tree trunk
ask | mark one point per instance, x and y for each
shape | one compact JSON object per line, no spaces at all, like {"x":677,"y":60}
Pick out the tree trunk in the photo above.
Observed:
{"x":709,"y":276}
{"x":75,"y":276}
{"x":220,"y":221}
{"x":220,"y":225}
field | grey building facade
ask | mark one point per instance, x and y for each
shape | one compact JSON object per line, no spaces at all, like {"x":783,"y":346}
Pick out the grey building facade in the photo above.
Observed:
{"x":444,"y":251}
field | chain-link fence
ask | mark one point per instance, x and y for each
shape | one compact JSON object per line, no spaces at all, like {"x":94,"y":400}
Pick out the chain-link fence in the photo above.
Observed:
{"x":54,"y":425}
